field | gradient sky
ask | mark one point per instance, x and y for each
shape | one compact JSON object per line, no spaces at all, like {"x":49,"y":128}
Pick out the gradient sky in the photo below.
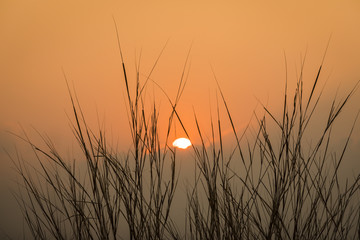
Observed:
{"x":244,"y":42}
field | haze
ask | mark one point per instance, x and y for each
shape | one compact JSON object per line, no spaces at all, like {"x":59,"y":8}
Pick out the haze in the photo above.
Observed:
{"x":244,"y":42}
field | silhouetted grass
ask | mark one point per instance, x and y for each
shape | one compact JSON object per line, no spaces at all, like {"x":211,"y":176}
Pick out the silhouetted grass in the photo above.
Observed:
{"x":280,"y":188}
{"x":271,"y":186}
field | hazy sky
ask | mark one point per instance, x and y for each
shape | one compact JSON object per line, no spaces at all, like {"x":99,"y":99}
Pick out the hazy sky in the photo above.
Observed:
{"x":243,"y":41}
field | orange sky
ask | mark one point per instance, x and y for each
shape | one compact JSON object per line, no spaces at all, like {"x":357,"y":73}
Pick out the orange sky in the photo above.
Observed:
{"x":244,"y":42}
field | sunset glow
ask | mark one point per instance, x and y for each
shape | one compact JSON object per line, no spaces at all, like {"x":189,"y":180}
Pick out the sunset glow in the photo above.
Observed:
{"x":99,"y":100}
{"x":182,"y":143}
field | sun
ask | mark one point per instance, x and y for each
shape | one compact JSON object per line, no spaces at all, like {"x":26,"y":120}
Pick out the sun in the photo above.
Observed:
{"x":182,"y":143}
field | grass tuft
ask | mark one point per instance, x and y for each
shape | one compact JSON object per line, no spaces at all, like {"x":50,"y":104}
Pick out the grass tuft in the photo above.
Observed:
{"x":271,"y":186}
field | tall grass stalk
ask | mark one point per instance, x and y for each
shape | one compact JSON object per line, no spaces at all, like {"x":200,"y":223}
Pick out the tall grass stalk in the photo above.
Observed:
{"x":269,"y":187}
{"x":273,"y":187}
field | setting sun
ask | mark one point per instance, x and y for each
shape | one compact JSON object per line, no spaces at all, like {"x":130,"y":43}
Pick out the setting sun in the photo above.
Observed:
{"x":182,"y":143}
